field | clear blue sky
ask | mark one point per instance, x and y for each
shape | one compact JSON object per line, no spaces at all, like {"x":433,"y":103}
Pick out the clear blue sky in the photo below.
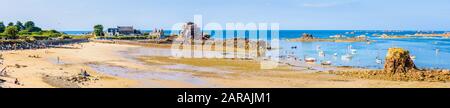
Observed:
{"x":291,"y":14}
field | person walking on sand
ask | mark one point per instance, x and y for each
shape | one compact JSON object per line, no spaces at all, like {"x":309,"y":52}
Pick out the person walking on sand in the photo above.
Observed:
{"x":3,"y":72}
{"x":17,"y":82}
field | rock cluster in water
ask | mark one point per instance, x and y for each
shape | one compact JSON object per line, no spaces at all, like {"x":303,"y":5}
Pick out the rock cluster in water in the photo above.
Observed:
{"x":310,"y":38}
{"x":306,"y":36}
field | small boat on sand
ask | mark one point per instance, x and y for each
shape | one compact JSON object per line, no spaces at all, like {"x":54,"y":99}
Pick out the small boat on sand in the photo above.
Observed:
{"x":326,"y":63}
{"x":310,"y":60}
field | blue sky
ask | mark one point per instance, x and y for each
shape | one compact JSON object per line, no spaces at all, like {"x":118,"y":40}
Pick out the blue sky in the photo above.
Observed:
{"x":290,"y":14}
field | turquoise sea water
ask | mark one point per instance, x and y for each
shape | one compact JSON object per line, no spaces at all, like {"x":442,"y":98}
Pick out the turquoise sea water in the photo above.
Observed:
{"x":430,"y":52}
{"x":366,"y":54}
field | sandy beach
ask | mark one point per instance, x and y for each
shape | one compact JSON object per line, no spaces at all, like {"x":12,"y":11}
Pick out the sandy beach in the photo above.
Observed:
{"x":135,"y":66}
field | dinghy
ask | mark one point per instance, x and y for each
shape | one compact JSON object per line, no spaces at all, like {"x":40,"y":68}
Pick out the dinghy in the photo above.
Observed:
{"x":310,"y":60}
{"x":326,"y":63}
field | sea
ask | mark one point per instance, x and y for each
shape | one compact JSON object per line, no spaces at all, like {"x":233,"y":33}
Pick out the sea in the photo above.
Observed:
{"x":429,"y":52}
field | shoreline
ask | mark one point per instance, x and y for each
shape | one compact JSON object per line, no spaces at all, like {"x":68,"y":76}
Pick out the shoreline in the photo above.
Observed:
{"x":113,"y":70}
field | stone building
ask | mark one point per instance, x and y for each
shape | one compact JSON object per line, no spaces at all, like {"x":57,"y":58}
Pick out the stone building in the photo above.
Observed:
{"x":191,"y":31}
{"x":157,"y":33}
{"x":123,"y":31}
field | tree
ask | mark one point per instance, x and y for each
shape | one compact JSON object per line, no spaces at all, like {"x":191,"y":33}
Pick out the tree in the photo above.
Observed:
{"x":98,"y":30}
{"x":11,"y":32}
{"x":29,"y":25}
{"x":10,"y":24}
{"x":2,"y":27}
{"x":34,"y":29}
{"x":20,"y":26}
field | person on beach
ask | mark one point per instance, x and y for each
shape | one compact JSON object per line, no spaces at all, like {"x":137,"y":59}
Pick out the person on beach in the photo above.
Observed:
{"x":3,"y":72}
{"x":17,"y":82}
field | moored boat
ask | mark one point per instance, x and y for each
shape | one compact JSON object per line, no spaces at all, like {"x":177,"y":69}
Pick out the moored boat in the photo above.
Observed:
{"x":413,"y":57}
{"x":378,"y":61}
{"x":326,"y":63}
{"x":321,"y":53}
{"x":335,"y":54}
{"x":353,"y":51}
{"x":347,"y":57}
{"x":310,"y":60}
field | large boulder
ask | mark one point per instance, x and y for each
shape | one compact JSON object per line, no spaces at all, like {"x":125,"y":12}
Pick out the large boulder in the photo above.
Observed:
{"x":398,"y":60}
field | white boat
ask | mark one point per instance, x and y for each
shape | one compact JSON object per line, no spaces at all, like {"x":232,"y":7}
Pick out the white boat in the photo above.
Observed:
{"x":413,"y":57}
{"x":347,"y":57}
{"x":378,"y":61}
{"x":335,"y":54}
{"x":318,"y":47}
{"x":337,"y":36}
{"x":310,"y":60}
{"x":321,"y":53}
{"x":353,"y":51}
{"x":326,"y":63}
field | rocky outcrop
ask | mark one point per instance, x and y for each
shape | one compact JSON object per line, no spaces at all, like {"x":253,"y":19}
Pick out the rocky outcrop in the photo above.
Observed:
{"x":310,"y":38}
{"x":306,"y":36}
{"x":83,"y":77}
{"x":419,"y":75}
{"x":398,"y":60}
{"x":447,"y":34}
{"x":399,"y":67}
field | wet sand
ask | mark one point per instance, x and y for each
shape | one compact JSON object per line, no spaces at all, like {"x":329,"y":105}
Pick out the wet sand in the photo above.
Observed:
{"x":131,"y":66}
